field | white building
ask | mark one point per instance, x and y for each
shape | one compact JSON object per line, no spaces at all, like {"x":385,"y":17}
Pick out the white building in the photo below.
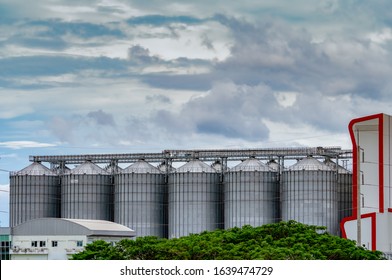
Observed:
{"x":58,"y":239}
{"x":371,"y":221}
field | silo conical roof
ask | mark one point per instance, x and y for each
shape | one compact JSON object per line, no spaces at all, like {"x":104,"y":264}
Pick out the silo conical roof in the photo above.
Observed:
{"x":272,"y":164}
{"x":309,"y":163}
{"x":163,"y":167}
{"x":141,"y":166}
{"x":217,"y":166}
{"x":251,"y":164}
{"x":196,"y":166}
{"x":88,"y":168}
{"x":332,"y":165}
{"x":35,"y":168}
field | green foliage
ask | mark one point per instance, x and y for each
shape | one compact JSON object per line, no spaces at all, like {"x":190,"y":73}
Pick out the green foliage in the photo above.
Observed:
{"x":280,"y":241}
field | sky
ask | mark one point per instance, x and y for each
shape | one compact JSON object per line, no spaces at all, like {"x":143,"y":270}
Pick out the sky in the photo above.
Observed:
{"x":85,"y":77}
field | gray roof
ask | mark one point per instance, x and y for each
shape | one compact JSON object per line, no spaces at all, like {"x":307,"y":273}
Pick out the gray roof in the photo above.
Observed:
{"x":196,"y":166}
{"x":36,"y":168}
{"x":60,"y":226}
{"x":310,"y":164}
{"x":250,"y":164}
{"x":141,"y":166}
{"x":88,"y":168}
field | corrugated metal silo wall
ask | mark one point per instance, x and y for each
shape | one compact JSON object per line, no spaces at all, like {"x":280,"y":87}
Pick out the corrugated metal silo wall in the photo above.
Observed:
{"x":345,"y":198}
{"x":86,"y":196}
{"x":195,"y":203}
{"x":32,"y":197}
{"x":251,"y":198}
{"x":310,"y":197}
{"x":140,"y":203}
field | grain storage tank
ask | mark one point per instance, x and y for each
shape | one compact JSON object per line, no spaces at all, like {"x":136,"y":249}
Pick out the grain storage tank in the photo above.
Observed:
{"x":251,"y":195}
{"x":309,"y":194}
{"x":34,"y":193}
{"x":194,"y":195}
{"x":87,"y":193}
{"x":274,"y":165}
{"x":140,"y":199}
{"x":344,"y":185}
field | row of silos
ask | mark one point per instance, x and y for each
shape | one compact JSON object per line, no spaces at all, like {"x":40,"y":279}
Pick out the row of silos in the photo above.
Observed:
{"x":193,"y":198}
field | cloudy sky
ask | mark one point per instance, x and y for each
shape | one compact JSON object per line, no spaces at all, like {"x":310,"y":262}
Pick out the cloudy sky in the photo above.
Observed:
{"x":114,"y":76}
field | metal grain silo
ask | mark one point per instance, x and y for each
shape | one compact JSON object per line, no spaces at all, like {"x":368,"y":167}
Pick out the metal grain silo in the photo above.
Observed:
{"x":140,"y":199}
{"x":251,"y":195}
{"x":309,"y":194}
{"x":34,"y":193}
{"x":87,"y":193}
{"x":195,"y":199}
{"x":344,"y":186}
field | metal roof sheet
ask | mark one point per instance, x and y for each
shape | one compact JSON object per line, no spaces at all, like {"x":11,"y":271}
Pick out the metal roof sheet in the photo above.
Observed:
{"x":251,"y":164}
{"x":61,"y":226}
{"x":36,"y":168}
{"x":310,"y":164}
{"x":196,"y":166}
{"x":88,"y":168}
{"x":141,"y":166}
{"x":332,"y":165}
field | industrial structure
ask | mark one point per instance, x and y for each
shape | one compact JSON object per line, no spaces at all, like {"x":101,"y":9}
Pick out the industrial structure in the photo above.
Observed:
{"x":178,"y":192}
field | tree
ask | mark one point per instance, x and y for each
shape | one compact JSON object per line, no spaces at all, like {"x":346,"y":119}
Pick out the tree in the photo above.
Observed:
{"x":280,"y":241}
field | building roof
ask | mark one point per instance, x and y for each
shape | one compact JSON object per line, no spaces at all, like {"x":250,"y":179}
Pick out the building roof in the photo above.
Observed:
{"x":60,"y":226}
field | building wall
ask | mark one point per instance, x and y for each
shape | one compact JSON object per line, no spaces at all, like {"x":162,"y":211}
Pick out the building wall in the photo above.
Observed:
{"x":57,"y":247}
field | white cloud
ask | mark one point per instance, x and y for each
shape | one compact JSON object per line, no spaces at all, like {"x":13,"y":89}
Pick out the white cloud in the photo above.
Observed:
{"x":16,"y":145}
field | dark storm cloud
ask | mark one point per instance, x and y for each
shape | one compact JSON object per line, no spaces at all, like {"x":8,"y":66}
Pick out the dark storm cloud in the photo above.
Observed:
{"x":287,"y":59}
{"x":228,"y":110}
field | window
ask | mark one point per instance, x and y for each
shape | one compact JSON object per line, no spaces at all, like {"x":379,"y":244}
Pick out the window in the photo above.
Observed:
{"x":42,"y":243}
{"x":54,"y":243}
{"x":34,"y":243}
{"x":79,"y":243}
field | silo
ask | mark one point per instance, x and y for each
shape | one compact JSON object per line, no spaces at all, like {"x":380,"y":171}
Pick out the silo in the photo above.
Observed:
{"x":34,"y":193}
{"x":251,"y":195}
{"x":309,"y":194}
{"x":272,"y":164}
{"x":344,"y":185}
{"x":195,"y":199}
{"x":86,"y":193}
{"x":139,"y":199}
